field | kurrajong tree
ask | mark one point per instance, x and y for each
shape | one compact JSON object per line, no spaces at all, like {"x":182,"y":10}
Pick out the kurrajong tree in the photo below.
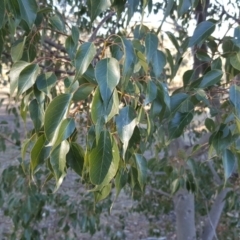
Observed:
{"x":63,"y":68}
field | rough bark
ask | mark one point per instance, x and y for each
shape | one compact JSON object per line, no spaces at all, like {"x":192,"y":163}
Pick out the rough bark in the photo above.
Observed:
{"x":185,"y":215}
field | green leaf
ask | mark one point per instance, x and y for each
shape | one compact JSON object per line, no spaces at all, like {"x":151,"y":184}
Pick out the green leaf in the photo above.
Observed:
{"x":234,"y":96}
{"x":105,"y":191}
{"x":173,"y":40}
{"x":14,"y":74}
{"x":83,"y":92}
{"x":183,"y":6}
{"x":108,"y":75}
{"x":151,"y":44}
{"x":129,"y":60}
{"x":201,"y":33}
{"x":210,"y":78}
{"x":2,"y":13}
{"x":98,"y":109}
{"x":210,"y":125}
{"x":100,"y":158}
{"x":84,"y":57}
{"x":57,"y":23}
{"x":120,"y":180}
{"x":126,"y":122}
{"x":167,"y":12}
{"x":75,"y":158}
{"x":66,"y":128}
{"x":46,"y":81}
{"x":236,"y":39}
{"x":39,"y":153}
{"x":28,"y":143}
{"x":58,"y":162}
{"x":28,"y":9}
{"x":235,"y":60}
{"x":151,"y":93}
{"x":141,"y":164}
{"x":27,"y":78}
{"x":98,"y":7}
{"x":132,"y":8}
{"x":143,"y":61}
{"x":158,"y":62}
{"x":55,"y":113}
{"x":178,"y":123}
{"x":17,"y":50}
{"x":229,"y":163}
{"x":71,"y":47}
{"x":177,"y":100}
{"x":75,"y":34}
{"x":37,"y":114}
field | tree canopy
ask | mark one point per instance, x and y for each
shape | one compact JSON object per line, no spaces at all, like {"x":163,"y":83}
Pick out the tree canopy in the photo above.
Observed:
{"x":86,"y":61}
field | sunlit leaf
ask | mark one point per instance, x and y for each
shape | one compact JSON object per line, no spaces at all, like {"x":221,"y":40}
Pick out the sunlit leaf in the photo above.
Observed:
{"x":17,"y":50}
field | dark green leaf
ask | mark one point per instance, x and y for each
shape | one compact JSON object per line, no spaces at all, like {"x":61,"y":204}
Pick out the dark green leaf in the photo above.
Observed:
{"x":210,"y":78}
{"x":236,"y":39}
{"x":201,"y":33}
{"x":173,"y":40}
{"x":120,"y":180}
{"x":46,"y":81}
{"x":126,"y":122}
{"x":37,"y":114}
{"x":108,"y":75}
{"x":71,"y":47}
{"x":58,"y":162}
{"x":235,"y":60}
{"x":229,"y":163}
{"x":27,"y":78}
{"x":2,"y":13}
{"x":83,"y":92}
{"x":177,"y":100}
{"x":158,"y":62}
{"x":39,"y":153}
{"x":178,"y":123}
{"x":14,"y":74}
{"x":17,"y":50}
{"x":141,"y":164}
{"x":234,"y":95}
{"x":75,"y":34}
{"x":210,"y":125}
{"x":183,"y":6}
{"x":151,"y":44}
{"x":28,"y":9}
{"x":55,"y":113}
{"x":84,"y":57}
{"x":75,"y":158}
{"x":133,"y":4}
{"x":100,"y":158}
{"x":151,"y":93}
{"x":98,"y":7}
{"x":57,"y":23}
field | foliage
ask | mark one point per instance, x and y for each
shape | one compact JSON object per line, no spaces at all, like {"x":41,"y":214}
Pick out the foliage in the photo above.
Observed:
{"x":122,"y":81}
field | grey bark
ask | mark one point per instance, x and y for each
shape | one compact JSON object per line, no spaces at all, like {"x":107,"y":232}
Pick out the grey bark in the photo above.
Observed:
{"x":210,"y":225}
{"x":185,"y":215}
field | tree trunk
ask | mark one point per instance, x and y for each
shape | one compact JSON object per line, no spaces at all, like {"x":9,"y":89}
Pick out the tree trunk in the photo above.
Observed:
{"x":185,"y":215}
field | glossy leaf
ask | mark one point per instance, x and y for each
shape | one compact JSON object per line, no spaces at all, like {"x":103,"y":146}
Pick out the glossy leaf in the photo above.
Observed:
{"x":84,"y":57}
{"x":39,"y":153}
{"x":141,"y":164}
{"x":151,"y":93}
{"x":17,"y":50}
{"x":55,"y":113}
{"x":235,"y":60}
{"x":158,"y":62}
{"x":46,"y":81}
{"x":83,"y":92}
{"x":103,"y":193}
{"x":37,"y":114}
{"x":100,"y":158}
{"x":201,"y":33}
{"x":28,"y":9}
{"x":126,"y":122}
{"x":108,"y":75}
{"x":58,"y":162}
{"x":178,"y":123}
{"x":27,"y":78}
{"x":151,"y":44}
{"x":229,"y":163}
{"x":14,"y":74}
{"x":66,"y":128}
{"x":177,"y":100}
{"x":98,"y":7}
{"x":57,"y":23}
{"x":75,"y":158}
{"x":210,"y":78}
